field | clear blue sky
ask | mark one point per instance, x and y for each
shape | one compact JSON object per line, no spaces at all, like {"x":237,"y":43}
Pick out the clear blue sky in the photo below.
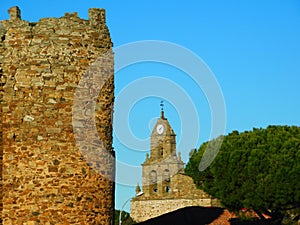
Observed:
{"x":252,"y":47}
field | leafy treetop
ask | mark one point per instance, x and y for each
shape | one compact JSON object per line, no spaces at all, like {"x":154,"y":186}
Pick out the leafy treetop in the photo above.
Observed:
{"x":256,"y":169}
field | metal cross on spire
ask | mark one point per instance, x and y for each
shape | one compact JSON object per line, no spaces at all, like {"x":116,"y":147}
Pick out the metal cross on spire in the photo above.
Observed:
{"x":162,"y":105}
{"x":162,"y":109}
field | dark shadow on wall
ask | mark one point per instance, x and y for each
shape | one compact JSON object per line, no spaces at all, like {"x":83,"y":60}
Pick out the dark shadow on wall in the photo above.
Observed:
{"x":255,"y":221}
{"x":187,"y":216}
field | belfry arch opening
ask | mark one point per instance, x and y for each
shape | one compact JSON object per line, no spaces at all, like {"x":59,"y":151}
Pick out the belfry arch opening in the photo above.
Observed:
{"x":153,"y":181}
{"x":166,"y":181}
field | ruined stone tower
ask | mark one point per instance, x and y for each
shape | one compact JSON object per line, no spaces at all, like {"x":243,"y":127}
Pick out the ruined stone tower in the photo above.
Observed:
{"x":56,"y":93}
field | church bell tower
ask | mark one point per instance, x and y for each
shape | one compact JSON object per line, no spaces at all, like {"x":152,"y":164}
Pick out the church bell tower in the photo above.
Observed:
{"x":163,"y":161}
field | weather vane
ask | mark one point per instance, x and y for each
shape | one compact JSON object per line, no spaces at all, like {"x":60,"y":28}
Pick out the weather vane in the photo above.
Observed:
{"x":162,"y":105}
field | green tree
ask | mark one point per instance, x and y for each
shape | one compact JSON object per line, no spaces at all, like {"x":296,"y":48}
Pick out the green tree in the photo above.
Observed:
{"x":126,"y":219}
{"x":258,"y":169}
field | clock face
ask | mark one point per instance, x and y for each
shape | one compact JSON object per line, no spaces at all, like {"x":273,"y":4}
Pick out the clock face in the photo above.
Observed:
{"x":160,"y":128}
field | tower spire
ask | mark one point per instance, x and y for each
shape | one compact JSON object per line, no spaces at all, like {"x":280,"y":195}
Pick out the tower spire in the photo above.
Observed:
{"x":162,"y":115}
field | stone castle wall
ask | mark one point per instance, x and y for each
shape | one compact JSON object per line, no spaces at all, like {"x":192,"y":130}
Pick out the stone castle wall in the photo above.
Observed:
{"x":51,"y":174}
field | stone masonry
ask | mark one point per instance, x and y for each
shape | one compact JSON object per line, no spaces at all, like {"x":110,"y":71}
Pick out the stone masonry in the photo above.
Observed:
{"x":184,"y":193}
{"x":56,"y":160}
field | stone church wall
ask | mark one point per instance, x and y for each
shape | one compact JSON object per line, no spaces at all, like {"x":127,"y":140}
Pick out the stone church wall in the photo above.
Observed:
{"x":147,"y":209}
{"x":46,"y":178}
{"x":183,"y":193}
